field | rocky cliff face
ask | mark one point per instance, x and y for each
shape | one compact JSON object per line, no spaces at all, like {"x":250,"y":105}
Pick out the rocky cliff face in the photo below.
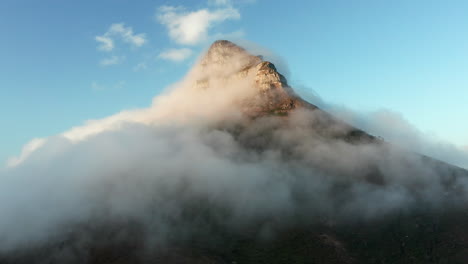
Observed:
{"x":273,"y":95}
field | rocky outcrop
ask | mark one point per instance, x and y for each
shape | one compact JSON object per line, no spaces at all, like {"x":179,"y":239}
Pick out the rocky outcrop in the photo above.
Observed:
{"x":277,"y":96}
{"x":273,"y":94}
{"x":226,"y":53}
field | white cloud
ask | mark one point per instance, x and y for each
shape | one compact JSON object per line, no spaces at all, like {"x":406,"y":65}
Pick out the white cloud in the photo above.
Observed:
{"x":119,"y":30}
{"x":27,"y":150}
{"x":176,"y":54}
{"x":191,"y":28}
{"x":107,"y":44}
{"x":394,"y":128}
{"x":111,"y":61}
{"x":126,"y":33}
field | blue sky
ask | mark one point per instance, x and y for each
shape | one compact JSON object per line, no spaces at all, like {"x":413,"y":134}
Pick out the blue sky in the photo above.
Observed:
{"x":56,"y":71}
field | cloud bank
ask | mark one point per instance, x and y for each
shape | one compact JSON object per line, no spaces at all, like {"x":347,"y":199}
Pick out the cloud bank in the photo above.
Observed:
{"x":194,"y":163}
{"x":394,"y":128}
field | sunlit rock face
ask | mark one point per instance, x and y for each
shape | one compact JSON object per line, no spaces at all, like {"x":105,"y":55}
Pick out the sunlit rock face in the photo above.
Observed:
{"x":277,"y":95}
{"x":270,"y":93}
{"x":227,"y":54}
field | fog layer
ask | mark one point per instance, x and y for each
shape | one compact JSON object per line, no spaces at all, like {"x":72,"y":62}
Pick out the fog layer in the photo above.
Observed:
{"x":195,"y":162}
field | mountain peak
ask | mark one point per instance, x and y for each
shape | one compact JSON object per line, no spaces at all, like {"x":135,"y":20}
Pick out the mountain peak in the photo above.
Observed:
{"x":273,"y":95}
{"x":226,"y":47}
{"x":226,"y":44}
{"x":223,"y":52}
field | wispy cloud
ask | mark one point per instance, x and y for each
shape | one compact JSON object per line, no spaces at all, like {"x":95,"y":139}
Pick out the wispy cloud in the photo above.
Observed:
{"x":395,"y":128}
{"x":106,"y":43}
{"x":113,"y":60}
{"x":191,"y":27}
{"x":126,"y":33}
{"x":176,"y":55}
{"x":120,"y":31}
{"x":29,"y":148}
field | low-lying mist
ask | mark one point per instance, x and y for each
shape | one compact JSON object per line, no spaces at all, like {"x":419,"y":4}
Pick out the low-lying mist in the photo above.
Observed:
{"x":194,"y":163}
